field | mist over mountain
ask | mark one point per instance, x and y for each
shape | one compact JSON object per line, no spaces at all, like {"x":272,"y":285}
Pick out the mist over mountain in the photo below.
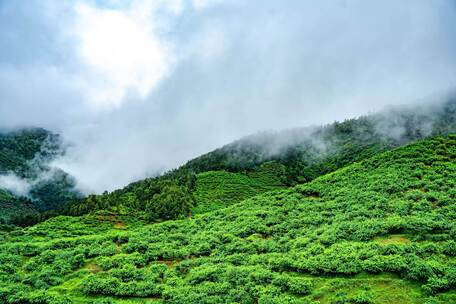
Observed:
{"x":392,"y":127}
{"x":272,"y":160}
{"x":190,"y":76}
{"x":27,"y":178}
{"x":31,"y":182}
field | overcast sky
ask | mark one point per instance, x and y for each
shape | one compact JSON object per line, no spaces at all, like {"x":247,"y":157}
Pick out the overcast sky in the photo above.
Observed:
{"x":142,"y":86}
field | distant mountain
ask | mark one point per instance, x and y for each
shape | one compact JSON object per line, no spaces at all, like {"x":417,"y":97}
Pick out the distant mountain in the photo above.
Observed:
{"x":310,"y":152}
{"x":20,"y":148}
{"x":28,"y":182}
{"x":276,"y":159}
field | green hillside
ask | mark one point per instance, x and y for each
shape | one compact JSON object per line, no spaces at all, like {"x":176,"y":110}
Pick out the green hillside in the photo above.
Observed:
{"x":26,"y":154}
{"x":224,"y":176}
{"x":219,"y":189}
{"x":19,"y":148}
{"x":193,"y":193}
{"x":379,"y":231}
{"x":11,"y":206}
{"x":308,"y":153}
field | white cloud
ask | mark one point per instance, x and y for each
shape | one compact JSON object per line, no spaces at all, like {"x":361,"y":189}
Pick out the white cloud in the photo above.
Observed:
{"x":15,"y":184}
{"x":202,"y":4}
{"x":123,"y":52}
{"x":210,"y":44}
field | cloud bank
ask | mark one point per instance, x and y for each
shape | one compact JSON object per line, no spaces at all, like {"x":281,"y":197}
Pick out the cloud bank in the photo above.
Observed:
{"x":15,"y":184}
{"x":137,"y":87}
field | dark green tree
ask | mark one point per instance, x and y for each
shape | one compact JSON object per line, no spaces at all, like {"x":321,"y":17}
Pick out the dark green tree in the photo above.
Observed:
{"x":171,"y":203}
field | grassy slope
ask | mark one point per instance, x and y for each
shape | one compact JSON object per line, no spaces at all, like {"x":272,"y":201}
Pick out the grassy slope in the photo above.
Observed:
{"x":379,"y":231}
{"x":219,"y":189}
{"x":209,"y":190}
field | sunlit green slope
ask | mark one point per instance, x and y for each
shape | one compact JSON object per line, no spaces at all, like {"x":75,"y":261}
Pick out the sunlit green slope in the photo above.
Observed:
{"x":218,"y":189}
{"x":379,"y":231}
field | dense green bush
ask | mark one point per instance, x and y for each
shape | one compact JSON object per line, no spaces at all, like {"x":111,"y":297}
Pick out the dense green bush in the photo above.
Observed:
{"x":171,"y":203}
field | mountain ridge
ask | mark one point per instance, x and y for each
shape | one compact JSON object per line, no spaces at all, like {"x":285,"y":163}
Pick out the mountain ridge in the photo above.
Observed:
{"x":300,"y":155}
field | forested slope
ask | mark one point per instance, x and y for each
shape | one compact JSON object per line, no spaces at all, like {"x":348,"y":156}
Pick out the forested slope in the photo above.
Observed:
{"x":25,"y":157}
{"x":310,"y":152}
{"x":292,"y":157}
{"x":379,"y":231}
{"x":12,"y":205}
{"x":19,"y":148}
{"x":181,"y":192}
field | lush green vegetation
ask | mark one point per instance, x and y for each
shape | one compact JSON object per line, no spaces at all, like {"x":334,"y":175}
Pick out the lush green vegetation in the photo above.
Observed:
{"x":166,"y":197}
{"x":18,"y":148}
{"x":26,"y":154}
{"x":181,"y":192}
{"x":300,"y":155}
{"x":381,"y":230}
{"x":219,"y":189}
{"x":11,"y":206}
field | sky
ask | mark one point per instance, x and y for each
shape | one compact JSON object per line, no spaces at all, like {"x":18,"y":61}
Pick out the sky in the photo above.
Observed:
{"x":136,"y":87}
